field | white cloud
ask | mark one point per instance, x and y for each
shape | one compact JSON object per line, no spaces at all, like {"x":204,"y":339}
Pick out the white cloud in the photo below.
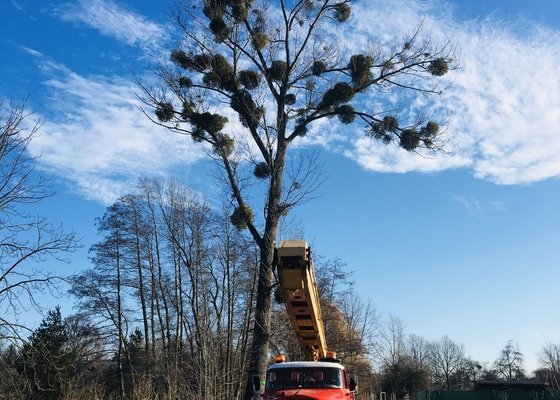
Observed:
{"x":112,"y":20}
{"x":503,"y":103}
{"x":508,"y":97}
{"x":99,"y":140}
{"x":504,"y":100}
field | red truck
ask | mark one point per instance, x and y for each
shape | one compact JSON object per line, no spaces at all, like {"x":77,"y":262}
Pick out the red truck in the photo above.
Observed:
{"x":307,"y":380}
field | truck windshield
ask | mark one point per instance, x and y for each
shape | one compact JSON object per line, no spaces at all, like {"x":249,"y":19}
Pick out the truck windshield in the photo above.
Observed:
{"x":293,"y":378}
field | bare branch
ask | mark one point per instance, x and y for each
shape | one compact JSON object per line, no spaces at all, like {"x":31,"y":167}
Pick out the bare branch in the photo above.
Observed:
{"x":25,"y":239}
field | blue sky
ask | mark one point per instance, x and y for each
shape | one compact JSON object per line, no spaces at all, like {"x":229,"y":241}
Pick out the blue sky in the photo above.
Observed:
{"x":464,"y":244}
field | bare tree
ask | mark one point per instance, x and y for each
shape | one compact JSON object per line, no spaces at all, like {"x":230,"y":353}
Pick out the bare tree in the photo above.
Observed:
{"x":334,"y":281}
{"x":418,"y":349}
{"x":390,"y":347}
{"x":550,"y":359}
{"x":276,"y":67}
{"x":86,"y":342}
{"x":26,"y":240}
{"x":405,"y":368}
{"x":509,"y":364}
{"x":359,"y":321}
{"x":177,"y":271}
{"x":234,"y":277}
{"x":447,"y":361}
{"x":102,"y":289}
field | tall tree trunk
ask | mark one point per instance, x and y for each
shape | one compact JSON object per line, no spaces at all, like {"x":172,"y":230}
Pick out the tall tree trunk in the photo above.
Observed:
{"x":120,"y":324}
{"x":179,"y":328}
{"x":245,"y":332}
{"x":263,"y":307}
{"x":261,"y":330}
{"x":142,"y":294}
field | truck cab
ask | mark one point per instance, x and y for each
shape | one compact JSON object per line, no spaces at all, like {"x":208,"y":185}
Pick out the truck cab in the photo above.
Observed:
{"x":308,"y":380}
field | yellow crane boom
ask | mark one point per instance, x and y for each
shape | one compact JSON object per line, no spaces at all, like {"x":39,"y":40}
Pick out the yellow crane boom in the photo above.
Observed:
{"x":298,"y":289}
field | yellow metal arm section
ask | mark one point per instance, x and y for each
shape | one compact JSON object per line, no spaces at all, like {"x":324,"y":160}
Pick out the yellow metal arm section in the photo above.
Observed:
{"x":299,"y":293}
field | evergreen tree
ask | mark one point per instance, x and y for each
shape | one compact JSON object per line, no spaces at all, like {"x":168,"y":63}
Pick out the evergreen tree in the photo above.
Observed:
{"x":45,"y":360}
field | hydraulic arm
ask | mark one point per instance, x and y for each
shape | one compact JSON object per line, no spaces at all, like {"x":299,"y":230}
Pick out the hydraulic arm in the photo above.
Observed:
{"x":299,"y":292}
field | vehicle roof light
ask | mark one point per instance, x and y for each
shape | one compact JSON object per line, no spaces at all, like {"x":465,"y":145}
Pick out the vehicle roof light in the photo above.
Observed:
{"x":331,"y":354}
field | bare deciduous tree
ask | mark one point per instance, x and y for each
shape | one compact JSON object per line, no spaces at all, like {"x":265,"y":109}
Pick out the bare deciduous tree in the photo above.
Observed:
{"x":509,"y":364}
{"x":26,"y":240}
{"x":418,"y":349}
{"x":390,"y":346}
{"x":447,"y":360}
{"x":171,"y":283}
{"x":102,"y":290}
{"x":550,"y":359}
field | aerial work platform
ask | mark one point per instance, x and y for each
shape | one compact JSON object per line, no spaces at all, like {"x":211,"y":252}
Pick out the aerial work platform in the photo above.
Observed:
{"x":298,"y":289}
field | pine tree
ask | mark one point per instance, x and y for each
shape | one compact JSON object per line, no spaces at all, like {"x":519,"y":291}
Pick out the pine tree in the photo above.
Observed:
{"x":45,"y":360}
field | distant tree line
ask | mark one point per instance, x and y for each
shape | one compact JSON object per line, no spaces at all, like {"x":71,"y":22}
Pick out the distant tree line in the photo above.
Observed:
{"x":408,"y":363}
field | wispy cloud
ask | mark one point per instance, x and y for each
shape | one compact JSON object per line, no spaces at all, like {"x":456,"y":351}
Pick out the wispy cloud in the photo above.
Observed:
{"x":503,"y":102}
{"x":97,"y":138}
{"x":16,"y":5}
{"x":111,"y":19}
{"x":473,"y":206}
{"x":476,"y":207}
